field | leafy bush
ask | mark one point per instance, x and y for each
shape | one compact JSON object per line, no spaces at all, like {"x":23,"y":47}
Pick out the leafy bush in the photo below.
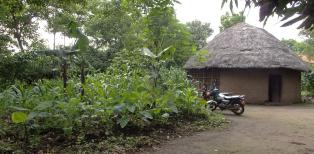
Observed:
{"x":308,"y":82}
{"x":36,"y":65}
{"x":29,"y":67}
{"x":112,"y":102}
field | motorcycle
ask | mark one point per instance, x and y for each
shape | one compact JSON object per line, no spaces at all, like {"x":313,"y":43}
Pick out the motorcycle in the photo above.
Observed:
{"x":224,"y":101}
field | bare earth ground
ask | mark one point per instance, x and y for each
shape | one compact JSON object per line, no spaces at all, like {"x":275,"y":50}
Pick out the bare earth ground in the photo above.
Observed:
{"x":262,"y":129}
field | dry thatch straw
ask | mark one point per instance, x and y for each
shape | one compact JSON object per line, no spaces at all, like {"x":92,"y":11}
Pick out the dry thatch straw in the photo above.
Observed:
{"x":306,"y":58}
{"x":246,"y":46}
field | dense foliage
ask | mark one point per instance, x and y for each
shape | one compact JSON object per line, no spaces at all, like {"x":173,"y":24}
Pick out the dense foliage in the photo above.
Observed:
{"x":199,"y":32}
{"x":122,"y":75}
{"x":118,"y":99}
{"x":299,"y":47}
{"x":18,"y":19}
{"x":308,"y":82}
{"x":27,"y":67}
{"x":228,"y":20}
{"x":298,"y":10}
{"x":304,"y":49}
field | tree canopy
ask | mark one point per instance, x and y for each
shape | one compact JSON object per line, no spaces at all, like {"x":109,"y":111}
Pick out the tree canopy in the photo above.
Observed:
{"x":228,"y":20}
{"x":199,"y":32}
{"x":291,"y":11}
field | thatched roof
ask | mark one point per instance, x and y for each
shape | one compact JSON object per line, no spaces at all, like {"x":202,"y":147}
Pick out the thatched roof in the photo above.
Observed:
{"x":246,"y":46}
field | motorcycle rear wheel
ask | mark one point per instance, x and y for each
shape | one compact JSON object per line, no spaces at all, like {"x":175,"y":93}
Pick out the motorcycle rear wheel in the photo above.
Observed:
{"x":239,"y":109}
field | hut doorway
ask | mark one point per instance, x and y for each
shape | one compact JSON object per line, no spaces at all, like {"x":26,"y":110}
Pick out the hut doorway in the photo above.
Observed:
{"x":274,"y":88}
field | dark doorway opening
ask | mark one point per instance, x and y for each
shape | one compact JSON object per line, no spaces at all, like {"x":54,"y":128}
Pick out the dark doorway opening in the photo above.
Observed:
{"x":274,"y":88}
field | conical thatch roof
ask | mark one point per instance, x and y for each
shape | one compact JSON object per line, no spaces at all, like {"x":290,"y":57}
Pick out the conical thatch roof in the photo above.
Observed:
{"x":246,"y":46}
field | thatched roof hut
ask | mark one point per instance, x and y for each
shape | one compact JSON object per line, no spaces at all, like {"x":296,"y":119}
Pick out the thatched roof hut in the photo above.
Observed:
{"x":246,"y":46}
{"x":248,"y":60}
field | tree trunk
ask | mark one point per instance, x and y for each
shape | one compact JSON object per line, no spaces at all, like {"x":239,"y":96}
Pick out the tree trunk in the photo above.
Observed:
{"x":18,"y":37}
{"x":82,"y":79}
{"x":54,"y":40}
{"x":17,"y":33}
{"x":64,"y":74}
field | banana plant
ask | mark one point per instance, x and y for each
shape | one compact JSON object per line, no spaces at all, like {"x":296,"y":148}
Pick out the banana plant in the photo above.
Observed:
{"x":63,"y":57}
{"x":156,"y":63}
{"x":81,"y":46}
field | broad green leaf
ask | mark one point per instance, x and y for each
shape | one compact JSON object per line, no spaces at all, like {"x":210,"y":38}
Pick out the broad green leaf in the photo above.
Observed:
{"x":32,"y":115}
{"x":43,"y":106}
{"x":146,"y":114}
{"x":73,"y":29}
{"x":131,"y":108}
{"x":173,"y":108}
{"x":67,"y":130}
{"x":148,"y":53}
{"x":166,"y":49}
{"x":123,"y":121}
{"x":118,"y":108}
{"x":165,"y":115}
{"x":82,"y":43}
{"x":19,"y":117}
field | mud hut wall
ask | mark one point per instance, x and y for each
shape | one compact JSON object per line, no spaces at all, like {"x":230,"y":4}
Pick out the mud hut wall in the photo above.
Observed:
{"x":251,"y":83}
{"x":291,"y":87}
{"x":254,"y":83}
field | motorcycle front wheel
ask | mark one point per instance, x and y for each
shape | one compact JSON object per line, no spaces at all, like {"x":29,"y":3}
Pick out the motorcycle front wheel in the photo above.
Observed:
{"x":212,"y":105}
{"x":238,"y":109}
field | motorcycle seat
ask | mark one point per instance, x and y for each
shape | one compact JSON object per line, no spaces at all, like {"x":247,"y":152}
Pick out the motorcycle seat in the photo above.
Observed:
{"x":233,"y":96}
{"x":226,"y":94}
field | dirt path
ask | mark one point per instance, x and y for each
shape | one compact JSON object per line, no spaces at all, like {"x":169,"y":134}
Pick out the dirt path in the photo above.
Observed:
{"x":262,"y":129}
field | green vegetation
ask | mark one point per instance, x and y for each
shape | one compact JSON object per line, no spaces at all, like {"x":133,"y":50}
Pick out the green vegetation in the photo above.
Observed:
{"x":199,"y":32}
{"x":118,"y":85}
{"x":306,"y":49}
{"x":300,"y":47}
{"x":202,"y":56}
{"x":308,"y":82}
{"x":290,"y":11}
{"x":113,"y":102}
{"x":228,"y":20}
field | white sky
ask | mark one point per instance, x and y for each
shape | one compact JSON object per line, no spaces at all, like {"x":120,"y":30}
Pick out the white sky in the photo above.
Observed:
{"x":210,"y":11}
{"x":207,"y":11}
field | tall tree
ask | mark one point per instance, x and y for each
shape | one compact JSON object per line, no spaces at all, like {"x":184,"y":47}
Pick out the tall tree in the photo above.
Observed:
{"x":59,"y":15}
{"x":309,"y":35}
{"x":164,"y":30}
{"x":199,"y":32}
{"x":302,"y":47}
{"x":17,"y":20}
{"x":130,"y":25}
{"x":228,"y":20}
{"x":302,"y":9}
{"x":109,"y":24}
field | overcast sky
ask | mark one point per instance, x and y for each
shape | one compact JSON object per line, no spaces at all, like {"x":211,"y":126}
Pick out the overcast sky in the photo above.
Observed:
{"x":209,"y":11}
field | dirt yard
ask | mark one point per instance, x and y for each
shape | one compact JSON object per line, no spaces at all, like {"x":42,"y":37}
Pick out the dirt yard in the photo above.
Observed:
{"x":262,"y":129}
